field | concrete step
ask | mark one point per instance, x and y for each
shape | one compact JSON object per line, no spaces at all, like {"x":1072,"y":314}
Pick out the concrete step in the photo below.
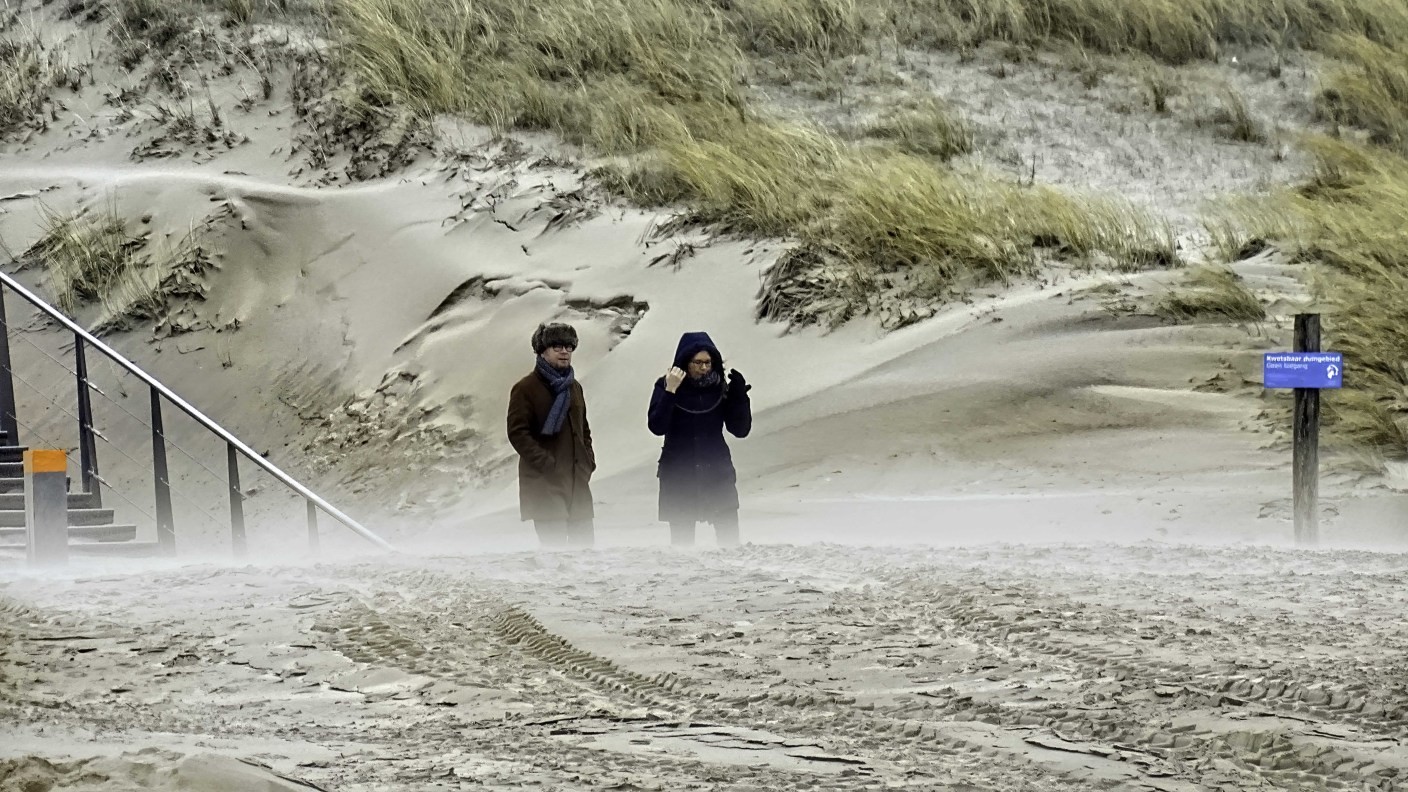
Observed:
{"x":14,"y":501}
{"x":9,"y":453}
{"x":16,"y":483}
{"x":15,"y":519}
{"x":126,"y":549}
{"x":97,"y":533}
{"x":118,"y":549}
{"x":16,"y":470}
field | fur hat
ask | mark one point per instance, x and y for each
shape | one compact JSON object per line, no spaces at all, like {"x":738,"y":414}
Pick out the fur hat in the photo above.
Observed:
{"x":553,"y":333}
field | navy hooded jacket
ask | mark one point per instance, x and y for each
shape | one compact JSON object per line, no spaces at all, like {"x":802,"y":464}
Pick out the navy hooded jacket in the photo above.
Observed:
{"x":697,"y":477}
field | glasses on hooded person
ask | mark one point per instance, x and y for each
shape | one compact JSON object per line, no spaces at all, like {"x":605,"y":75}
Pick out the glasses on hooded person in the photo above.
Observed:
{"x":568,"y":347}
{"x":702,"y":363}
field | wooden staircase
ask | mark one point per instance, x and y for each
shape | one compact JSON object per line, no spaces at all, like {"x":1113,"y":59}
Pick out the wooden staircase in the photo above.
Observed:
{"x":91,"y":528}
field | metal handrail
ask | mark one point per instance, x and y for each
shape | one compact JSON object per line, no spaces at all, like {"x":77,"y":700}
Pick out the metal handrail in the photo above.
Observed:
{"x":212,"y":426}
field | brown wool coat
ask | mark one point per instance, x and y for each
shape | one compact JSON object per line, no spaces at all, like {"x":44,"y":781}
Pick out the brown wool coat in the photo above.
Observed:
{"x":554,"y":471}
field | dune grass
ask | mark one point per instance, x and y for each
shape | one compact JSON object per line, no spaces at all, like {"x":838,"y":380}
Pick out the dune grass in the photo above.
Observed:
{"x":1211,"y":293}
{"x":927,"y":128}
{"x":157,"y":23}
{"x":659,"y":82}
{"x":663,"y":86}
{"x":1368,"y":89}
{"x":510,"y":63}
{"x":1355,"y":216}
{"x":824,"y":28}
{"x":662,"y":83}
{"x":93,"y":258}
{"x":1351,"y":218}
{"x":1175,"y":32}
{"x":85,"y":256}
{"x":241,"y":12}
{"x":1231,"y":117}
{"x":28,"y":74}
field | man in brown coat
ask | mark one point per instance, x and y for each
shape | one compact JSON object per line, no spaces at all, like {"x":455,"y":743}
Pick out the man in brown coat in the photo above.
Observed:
{"x":547,"y":425}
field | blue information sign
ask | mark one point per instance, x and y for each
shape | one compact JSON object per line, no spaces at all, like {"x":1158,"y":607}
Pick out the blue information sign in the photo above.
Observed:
{"x":1303,"y":370}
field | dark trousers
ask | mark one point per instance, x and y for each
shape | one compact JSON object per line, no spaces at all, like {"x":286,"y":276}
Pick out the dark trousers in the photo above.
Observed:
{"x":560,"y":533}
{"x":725,"y":531}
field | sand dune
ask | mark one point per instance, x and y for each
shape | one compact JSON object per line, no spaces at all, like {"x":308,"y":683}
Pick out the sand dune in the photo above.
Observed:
{"x":366,"y":335}
{"x":1036,"y":541}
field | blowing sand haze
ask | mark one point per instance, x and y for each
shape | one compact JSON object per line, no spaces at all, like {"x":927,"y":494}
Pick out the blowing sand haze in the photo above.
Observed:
{"x":967,"y":308}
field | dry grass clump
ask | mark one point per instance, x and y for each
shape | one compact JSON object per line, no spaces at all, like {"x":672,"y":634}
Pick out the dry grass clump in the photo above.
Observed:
{"x":1211,"y":293}
{"x":1244,"y":226}
{"x":897,"y":240}
{"x":174,"y":36}
{"x":95,"y":259}
{"x":893,"y":213}
{"x":1160,"y":85}
{"x":544,"y":64}
{"x":861,"y":215}
{"x":818,"y":28}
{"x":241,"y":12}
{"x":1369,"y":324}
{"x":376,"y":139}
{"x":1369,"y":90}
{"x":930,"y":129}
{"x":1231,"y":117}
{"x":157,"y":23}
{"x":28,"y":74}
{"x":85,"y":256}
{"x":766,"y":179}
{"x":178,"y":34}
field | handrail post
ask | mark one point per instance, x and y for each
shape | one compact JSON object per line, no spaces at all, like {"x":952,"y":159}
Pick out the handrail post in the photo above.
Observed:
{"x":87,"y":447}
{"x":165,"y":523}
{"x":236,"y":503}
{"x":9,"y":420}
{"x":312,"y":527}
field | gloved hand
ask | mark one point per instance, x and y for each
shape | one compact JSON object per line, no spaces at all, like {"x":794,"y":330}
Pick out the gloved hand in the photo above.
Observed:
{"x":736,"y":384}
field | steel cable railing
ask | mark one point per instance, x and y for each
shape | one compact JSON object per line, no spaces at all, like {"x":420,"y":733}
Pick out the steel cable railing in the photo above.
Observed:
{"x":159,"y":393}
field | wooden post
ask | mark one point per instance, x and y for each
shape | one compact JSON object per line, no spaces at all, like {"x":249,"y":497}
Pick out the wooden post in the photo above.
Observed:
{"x":1305,"y":453}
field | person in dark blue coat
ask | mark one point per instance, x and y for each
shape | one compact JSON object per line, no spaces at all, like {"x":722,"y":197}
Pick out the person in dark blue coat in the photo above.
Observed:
{"x":691,"y":406}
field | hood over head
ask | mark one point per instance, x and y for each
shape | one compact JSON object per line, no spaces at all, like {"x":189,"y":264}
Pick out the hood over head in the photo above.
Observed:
{"x":690,"y":344}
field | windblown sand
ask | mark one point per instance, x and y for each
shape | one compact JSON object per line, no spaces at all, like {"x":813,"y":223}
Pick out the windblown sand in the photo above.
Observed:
{"x":1039,"y":540}
{"x":1060,"y":667}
